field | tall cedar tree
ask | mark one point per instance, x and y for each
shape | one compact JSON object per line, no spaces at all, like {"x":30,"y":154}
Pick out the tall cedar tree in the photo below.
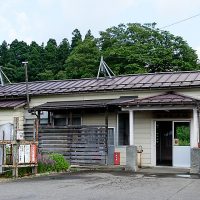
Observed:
{"x":84,"y":59}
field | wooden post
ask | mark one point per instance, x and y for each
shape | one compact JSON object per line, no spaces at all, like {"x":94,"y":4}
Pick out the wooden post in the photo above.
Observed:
{"x":36,"y":129}
{"x":15,"y":149}
{"x":35,"y":169}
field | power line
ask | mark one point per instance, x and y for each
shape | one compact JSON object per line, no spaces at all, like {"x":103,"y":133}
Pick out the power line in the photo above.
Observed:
{"x":178,"y":22}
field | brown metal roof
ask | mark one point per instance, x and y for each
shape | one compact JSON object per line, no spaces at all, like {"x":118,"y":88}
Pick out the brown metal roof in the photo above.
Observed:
{"x":64,"y":105}
{"x":169,"y":98}
{"x":12,"y":103}
{"x":99,"y":103}
{"x":167,"y":80}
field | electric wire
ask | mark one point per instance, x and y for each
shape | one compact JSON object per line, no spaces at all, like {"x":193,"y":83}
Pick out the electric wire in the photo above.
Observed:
{"x":178,"y":22}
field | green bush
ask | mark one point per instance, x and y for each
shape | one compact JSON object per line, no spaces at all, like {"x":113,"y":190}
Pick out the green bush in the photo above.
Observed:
{"x":52,"y":162}
{"x":60,"y":164}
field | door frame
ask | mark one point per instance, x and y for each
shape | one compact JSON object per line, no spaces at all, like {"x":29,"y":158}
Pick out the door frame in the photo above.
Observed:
{"x":153,"y":136}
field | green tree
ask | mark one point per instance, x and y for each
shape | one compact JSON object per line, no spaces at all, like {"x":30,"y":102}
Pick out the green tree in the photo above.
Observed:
{"x":46,"y":75}
{"x":63,"y":53}
{"x":76,"y":39}
{"x":18,"y":52}
{"x":35,"y":61}
{"x":51,"y":55}
{"x":135,"y":48}
{"x":4,"y":53}
{"x":83,"y":60}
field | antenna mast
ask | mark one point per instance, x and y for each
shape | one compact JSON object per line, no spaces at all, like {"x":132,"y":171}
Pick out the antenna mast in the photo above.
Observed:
{"x":103,"y":68}
{"x":1,"y":76}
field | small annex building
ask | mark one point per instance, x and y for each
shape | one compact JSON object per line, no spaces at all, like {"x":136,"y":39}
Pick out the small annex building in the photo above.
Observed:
{"x":87,"y":120}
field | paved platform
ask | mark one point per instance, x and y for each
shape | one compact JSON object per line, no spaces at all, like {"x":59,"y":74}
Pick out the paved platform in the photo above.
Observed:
{"x":163,"y":170}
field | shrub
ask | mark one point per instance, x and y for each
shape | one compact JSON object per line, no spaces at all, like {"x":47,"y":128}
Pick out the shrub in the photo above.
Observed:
{"x":60,"y":164}
{"x":52,"y":162}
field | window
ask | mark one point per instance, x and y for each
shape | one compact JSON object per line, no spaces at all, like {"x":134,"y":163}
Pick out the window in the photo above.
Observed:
{"x":76,"y":120}
{"x":59,"y":120}
{"x":110,"y":136}
{"x":123,"y":128}
{"x":44,"y":117}
{"x":64,"y":119}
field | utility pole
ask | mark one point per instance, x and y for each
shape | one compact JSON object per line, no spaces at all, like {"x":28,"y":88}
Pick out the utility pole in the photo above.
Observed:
{"x":26,"y":79}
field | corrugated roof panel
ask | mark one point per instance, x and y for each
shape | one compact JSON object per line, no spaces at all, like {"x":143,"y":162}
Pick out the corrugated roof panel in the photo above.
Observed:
{"x":121,"y":80}
{"x":183,"y":77}
{"x":164,"y":77}
{"x":197,"y":78}
{"x":159,"y":80}
{"x":166,"y":98}
{"x":173,"y":77}
{"x":191,"y":77}
{"x":130,"y":80}
{"x":91,"y":81}
{"x":40,"y":86}
{"x":137,"y":79}
{"x":12,"y":103}
{"x":155,"y":78}
{"x":147,"y":78}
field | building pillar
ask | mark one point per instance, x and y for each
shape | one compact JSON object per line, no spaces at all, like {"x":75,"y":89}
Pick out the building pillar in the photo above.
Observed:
{"x":131,"y":127}
{"x":195,"y":129}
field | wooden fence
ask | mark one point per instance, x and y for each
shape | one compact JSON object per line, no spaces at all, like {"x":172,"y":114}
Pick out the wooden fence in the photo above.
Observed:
{"x":79,"y":144}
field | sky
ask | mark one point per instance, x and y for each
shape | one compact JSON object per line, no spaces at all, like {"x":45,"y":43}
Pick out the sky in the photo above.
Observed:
{"x":39,"y":20}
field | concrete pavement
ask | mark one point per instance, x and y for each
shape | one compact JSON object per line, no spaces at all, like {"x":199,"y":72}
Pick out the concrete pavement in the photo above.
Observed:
{"x":102,"y":186}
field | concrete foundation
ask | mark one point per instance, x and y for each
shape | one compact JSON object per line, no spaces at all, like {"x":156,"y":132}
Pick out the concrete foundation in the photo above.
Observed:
{"x":110,"y":158}
{"x":195,"y":161}
{"x":131,"y":158}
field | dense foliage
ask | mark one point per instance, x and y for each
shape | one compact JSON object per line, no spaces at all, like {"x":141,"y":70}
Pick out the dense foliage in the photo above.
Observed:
{"x":52,"y":163}
{"x":131,"y":48}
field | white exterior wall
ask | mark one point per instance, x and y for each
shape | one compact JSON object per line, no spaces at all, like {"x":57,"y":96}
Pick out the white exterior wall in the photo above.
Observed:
{"x":38,"y":100}
{"x":7,"y":116}
{"x":99,"y":119}
{"x":143,"y":119}
{"x":142,"y":134}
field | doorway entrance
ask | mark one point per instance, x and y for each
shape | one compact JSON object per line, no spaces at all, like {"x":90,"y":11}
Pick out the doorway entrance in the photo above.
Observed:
{"x":173,"y":143}
{"x":164,"y":143}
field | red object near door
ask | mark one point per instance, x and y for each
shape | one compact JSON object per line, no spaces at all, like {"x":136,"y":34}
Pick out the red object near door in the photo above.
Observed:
{"x":33,"y":153}
{"x":116,"y":158}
